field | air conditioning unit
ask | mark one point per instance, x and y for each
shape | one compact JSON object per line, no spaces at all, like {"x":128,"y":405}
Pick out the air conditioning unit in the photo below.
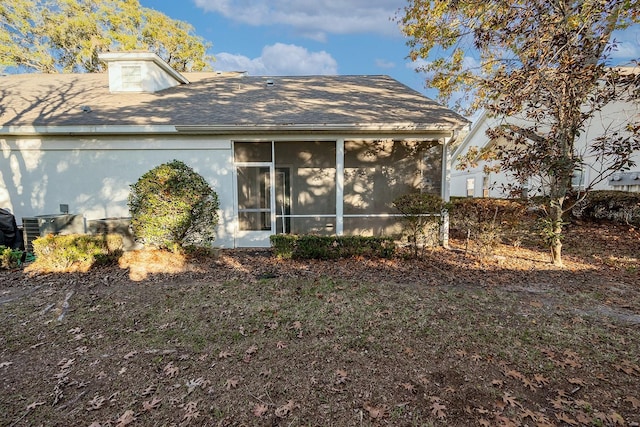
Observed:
{"x":42,"y":225}
{"x":121,"y":226}
{"x":620,"y":179}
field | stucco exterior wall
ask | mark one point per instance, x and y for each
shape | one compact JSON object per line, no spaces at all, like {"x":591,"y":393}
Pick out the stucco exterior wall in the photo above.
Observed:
{"x":92,"y":175}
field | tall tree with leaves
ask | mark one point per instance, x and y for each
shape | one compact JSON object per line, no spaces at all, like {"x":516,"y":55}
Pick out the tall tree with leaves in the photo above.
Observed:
{"x":545,"y":62}
{"x":52,"y":36}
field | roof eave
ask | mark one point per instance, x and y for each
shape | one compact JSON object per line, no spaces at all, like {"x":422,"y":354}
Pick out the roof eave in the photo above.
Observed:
{"x":401,"y":129}
{"x":29,"y":130}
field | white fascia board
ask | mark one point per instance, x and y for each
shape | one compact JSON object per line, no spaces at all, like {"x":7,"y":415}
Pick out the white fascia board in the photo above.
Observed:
{"x":386,"y":128}
{"x":468,"y":137}
{"x":88,"y":130}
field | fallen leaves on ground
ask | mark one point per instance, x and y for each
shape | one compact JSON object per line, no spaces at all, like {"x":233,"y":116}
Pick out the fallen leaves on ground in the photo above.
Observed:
{"x":449,"y":339}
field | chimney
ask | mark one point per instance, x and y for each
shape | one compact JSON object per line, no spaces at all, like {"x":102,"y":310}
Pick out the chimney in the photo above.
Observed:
{"x":139,"y":72}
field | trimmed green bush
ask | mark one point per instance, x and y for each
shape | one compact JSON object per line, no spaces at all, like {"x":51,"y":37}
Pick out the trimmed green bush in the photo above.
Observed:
{"x":311,"y":246}
{"x":74,"y":252}
{"x":616,"y":206}
{"x":9,"y":258}
{"x":173,"y":206}
{"x":283,"y":245}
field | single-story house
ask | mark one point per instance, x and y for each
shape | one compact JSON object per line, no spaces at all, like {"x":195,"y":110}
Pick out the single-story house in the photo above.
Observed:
{"x":481,"y":181}
{"x":308,"y":154}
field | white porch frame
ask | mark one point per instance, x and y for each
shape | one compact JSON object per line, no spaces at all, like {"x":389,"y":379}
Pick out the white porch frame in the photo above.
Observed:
{"x":339,"y":215}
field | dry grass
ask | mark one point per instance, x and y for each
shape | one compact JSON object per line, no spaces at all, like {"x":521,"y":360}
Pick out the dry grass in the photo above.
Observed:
{"x":142,"y":263}
{"x":245,"y":339}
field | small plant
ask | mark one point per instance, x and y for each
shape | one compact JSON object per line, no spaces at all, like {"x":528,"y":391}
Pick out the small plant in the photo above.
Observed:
{"x":421,"y":217}
{"x":173,"y":206}
{"x":74,"y":252}
{"x":9,"y":258}
{"x":487,"y":222}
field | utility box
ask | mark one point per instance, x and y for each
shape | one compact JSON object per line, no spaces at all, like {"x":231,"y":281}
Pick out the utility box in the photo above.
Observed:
{"x":42,"y":225}
{"x":121,"y":226}
{"x":625,"y":181}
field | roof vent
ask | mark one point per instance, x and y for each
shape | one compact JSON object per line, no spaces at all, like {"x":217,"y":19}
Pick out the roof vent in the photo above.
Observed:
{"x":139,"y":72}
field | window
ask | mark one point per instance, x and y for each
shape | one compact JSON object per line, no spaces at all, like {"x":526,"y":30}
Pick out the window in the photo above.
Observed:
{"x":471,"y":187}
{"x":578,"y":178}
{"x":485,"y":186}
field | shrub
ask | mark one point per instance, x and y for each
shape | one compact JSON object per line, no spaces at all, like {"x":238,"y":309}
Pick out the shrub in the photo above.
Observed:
{"x":9,"y":258}
{"x":616,"y":206}
{"x":173,"y":206}
{"x":421,"y":218}
{"x":74,"y":252}
{"x":284,"y":245}
{"x":311,"y":246}
{"x":487,"y":222}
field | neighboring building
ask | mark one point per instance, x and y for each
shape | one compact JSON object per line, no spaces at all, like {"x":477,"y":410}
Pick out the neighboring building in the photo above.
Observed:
{"x":476,"y":182}
{"x":321,"y":154}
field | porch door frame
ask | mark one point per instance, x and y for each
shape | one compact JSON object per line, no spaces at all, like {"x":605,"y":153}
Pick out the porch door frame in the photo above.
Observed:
{"x":283,"y":208}
{"x":254,"y":238}
{"x":259,"y":238}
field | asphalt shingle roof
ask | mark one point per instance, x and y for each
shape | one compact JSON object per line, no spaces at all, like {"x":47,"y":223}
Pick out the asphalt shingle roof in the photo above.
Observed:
{"x":215,"y":99}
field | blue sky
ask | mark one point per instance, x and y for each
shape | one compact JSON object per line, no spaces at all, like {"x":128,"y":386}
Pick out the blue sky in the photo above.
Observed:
{"x":301,"y":37}
{"x":298,"y":37}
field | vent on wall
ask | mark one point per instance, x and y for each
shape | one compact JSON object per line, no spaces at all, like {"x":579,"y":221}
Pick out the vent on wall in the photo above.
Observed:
{"x":131,"y":78}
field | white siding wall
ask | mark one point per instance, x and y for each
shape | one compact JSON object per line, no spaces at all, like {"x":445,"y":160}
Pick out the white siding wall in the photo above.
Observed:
{"x":93,"y":175}
{"x":459,"y":178}
{"x":612,"y":117}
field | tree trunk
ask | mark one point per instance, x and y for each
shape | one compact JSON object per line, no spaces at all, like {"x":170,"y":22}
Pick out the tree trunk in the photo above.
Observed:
{"x":555,"y":242}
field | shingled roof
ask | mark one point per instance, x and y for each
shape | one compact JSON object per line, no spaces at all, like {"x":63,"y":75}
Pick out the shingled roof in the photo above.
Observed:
{"x":222,"y":99}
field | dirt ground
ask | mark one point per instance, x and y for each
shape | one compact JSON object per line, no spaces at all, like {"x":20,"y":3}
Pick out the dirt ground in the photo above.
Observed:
{"x":243,"y":338}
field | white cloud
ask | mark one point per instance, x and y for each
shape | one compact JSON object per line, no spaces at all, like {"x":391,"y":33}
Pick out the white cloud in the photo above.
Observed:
{"x":381,"y":63}
{"x":627,"y":44}
{"x":279,"y":60}
{"x":468,"y":63}
{"x":312,"y":18}
{"x":417,"y":64}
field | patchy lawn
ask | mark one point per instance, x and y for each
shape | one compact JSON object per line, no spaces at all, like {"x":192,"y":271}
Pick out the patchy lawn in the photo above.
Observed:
{"x":244,"y":339}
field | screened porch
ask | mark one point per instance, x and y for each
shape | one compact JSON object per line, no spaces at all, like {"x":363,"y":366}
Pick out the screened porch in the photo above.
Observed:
{"x":343,"y":187}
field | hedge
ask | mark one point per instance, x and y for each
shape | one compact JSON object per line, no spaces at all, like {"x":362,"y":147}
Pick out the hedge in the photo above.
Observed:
{"x":311,"y":246}
{"x":616,"y":206}
{"x":74,"y":252}
{"x":10,"y":258}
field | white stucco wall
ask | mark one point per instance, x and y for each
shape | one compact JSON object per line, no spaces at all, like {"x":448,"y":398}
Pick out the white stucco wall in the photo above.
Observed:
{"x":613,"y":116}
{"x":93,"y":175}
